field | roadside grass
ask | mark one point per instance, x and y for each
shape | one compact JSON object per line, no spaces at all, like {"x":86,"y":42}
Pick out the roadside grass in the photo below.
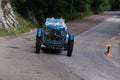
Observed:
{"x":24,"y":26}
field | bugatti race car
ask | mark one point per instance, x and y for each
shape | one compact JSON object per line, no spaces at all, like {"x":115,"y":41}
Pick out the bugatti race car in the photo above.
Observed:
{"x":55,"y":35}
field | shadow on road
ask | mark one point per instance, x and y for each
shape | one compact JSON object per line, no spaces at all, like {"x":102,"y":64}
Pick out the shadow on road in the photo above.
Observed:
{"x":13,"y":47}
{"x":50,"y":51}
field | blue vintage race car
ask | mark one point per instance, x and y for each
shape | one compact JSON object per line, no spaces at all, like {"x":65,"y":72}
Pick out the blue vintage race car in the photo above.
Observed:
{"x":55,"y":35}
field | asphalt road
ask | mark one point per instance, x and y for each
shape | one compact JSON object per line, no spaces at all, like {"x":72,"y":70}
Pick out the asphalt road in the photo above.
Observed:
{"x":18,"y":60}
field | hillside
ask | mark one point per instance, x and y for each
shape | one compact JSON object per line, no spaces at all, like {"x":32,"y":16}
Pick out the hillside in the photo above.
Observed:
{"x":20,"y":15}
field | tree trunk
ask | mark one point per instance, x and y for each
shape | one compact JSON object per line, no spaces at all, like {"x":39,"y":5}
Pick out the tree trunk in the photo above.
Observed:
{"x":7,"y":17}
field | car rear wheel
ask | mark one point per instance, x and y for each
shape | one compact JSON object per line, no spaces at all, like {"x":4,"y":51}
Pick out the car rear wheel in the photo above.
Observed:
{"x":38,"y":45}
{"x":70,"y":47}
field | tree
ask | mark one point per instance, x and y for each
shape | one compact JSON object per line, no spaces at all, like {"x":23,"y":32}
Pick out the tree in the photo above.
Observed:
{"x":38,"y":10}
{"x":115,"y":4}
{"x":82,"y":5}
{"x":98,"y":6}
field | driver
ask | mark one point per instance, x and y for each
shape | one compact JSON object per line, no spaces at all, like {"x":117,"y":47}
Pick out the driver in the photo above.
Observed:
{"x":62,"y":23}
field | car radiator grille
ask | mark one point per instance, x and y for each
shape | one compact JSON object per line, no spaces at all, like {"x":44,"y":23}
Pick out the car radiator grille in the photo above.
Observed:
{"x":54,"y":35}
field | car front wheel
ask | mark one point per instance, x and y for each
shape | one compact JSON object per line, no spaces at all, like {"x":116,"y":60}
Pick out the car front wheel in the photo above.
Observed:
{"x":70,"y":47}
{"x":38,"y":45}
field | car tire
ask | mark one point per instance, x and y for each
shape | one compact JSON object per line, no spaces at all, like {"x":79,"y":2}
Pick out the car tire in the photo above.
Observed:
{"x":38,"y":45}
{"x":70,"y":47}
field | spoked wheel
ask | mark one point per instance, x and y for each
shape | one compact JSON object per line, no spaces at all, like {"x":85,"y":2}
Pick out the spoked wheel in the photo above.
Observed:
{"x":38,"y":45}
{"x":70,"y":47}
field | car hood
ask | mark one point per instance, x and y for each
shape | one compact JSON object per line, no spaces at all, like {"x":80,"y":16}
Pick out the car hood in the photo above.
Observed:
{"x":59,"y":27}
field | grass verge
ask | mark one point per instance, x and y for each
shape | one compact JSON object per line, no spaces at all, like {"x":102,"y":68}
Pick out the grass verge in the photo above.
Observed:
{"x":24,"y":26}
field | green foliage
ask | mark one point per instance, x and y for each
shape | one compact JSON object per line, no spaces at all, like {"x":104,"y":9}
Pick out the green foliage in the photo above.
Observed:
{"x":82,"y":5}
{"x":69,"y":9}
{"x":115,"y":4}
{"x":98,"y":6}
{"x":107,"y":5}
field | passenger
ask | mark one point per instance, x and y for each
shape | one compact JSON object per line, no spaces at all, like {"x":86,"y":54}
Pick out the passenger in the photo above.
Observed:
{"x":52,"y":19}
{"x":61,"y":20}
{"x":63,"y":23}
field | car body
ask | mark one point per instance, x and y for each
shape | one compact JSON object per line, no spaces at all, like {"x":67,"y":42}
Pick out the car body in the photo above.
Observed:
{"x":55,"y":35}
